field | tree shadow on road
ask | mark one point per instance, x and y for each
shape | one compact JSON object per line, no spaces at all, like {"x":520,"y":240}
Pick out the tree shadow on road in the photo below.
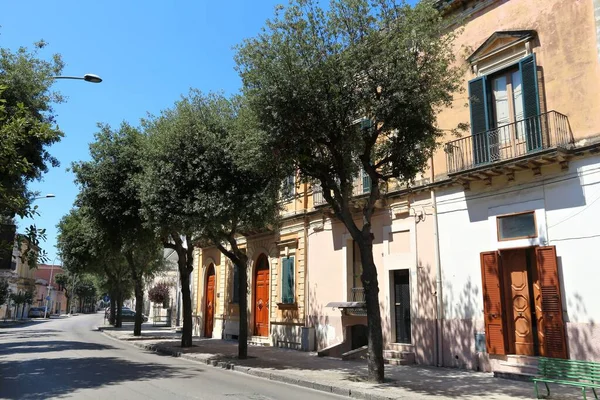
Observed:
{"x":54,"y":377}
{"x":43,"y":346}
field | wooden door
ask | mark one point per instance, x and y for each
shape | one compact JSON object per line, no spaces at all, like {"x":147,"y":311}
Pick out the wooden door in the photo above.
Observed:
{"x":548,"y":304}
{"x":492,"y":303}
{"x":514,"y":263}
{"x":261,"y":297}
{"x":210,"y":301}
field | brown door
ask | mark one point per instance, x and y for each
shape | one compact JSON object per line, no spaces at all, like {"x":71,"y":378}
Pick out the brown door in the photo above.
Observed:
{"x":492,"y":303}
{"x":210,"y":301}
{"x":548,"y":304}
{"x":514,"y":263}
{"x":261,"y":297}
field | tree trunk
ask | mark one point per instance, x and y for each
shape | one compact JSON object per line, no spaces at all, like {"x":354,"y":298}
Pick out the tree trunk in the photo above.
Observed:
{"x":119,"y":320}
{"x":139,"y":306}
{"x":371,"y":286}
{"x":113,"y":308}
{"x":186,"y":334}
{"x":68,"y":303}
{"x":243,"y":304}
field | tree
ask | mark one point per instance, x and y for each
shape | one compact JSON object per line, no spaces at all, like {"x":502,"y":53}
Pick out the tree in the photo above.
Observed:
{"x":22,"y":298}
{"x":4,"y":291}
{"x":227,"y":185}
{"x":85,"y":251}
{"x":27,"y":129}
{"x":353,"y":90}
{"x":109,"y":191}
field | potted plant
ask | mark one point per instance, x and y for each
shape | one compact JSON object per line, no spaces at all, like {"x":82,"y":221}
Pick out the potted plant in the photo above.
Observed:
{"x":159,"y":293}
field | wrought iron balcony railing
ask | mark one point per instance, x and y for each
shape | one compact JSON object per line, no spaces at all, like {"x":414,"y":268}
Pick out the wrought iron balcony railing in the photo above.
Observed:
{"x":518,"y":139}
{"x":362,"y":185}
{"x":358,"y":294}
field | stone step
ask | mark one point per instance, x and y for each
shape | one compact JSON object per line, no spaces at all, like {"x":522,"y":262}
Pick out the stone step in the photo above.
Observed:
{"x":394,"y":357}
{"x":397,"y":361}
{"x":401,"y":347}
{"x":259,"y":341}
{"x":504,"y":366}
{"x":522,"y":360}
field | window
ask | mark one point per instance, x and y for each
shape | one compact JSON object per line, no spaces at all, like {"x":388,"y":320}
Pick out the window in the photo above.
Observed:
{"x":287,"y":280}
{"x":366,"y":181}
{"x":235,"y":296}
{"x":505,"y":111}
{"x":288,"y":187}
{"x":517,"y":226}
{"x":507,"y":96}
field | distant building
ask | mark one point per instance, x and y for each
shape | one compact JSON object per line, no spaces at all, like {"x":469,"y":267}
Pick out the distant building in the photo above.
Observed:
{"x":45,"y":275}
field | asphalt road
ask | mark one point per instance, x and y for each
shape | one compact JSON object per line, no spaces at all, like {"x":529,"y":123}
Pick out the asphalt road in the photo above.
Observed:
{"x":67,"y":358}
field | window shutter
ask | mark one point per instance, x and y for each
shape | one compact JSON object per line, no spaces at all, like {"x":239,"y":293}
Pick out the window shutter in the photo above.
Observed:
{"x":287,"y":293}
{"x":531,"y":102}
{"x":478,"y":104}
{"x":492,"y":303}
{"x":236,"y":285}
{"x":548,"y":304}
{"x":366,"y":182}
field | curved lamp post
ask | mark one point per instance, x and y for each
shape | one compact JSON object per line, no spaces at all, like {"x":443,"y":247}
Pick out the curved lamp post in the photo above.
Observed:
{"x":87,"y":77}
{"x":46,"y":196}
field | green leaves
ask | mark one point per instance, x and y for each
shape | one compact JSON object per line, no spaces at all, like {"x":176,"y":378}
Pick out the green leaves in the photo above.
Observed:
{"x":314,"y":74}
{"x":209,"y":170}
{"x":27,"y":126}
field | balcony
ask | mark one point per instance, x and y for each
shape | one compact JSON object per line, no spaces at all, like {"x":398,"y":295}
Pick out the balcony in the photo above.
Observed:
{"x":528,"y":138}
{"x":362,"y":185}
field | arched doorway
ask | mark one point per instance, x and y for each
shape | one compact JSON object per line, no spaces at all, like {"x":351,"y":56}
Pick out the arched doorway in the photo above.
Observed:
{"x":209,"y":301}
{"x":261,"y":296}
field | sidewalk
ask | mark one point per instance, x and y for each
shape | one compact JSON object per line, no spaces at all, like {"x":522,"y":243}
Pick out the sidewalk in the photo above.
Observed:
{"x":346,"y":378}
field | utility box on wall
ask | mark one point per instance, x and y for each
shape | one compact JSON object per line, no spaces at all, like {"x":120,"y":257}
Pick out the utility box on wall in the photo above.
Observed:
{"x":308,"y":338}
{"x":480,"y":346}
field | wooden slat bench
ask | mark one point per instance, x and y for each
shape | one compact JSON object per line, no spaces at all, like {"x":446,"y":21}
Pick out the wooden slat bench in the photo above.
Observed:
{"x":582,"y":374}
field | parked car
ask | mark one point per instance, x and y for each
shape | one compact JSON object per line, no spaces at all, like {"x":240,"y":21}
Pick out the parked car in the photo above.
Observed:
{"x":128,"y":315}
{"x":37,"y":312}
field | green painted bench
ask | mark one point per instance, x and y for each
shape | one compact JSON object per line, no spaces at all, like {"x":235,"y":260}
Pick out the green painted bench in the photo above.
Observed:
{"x":583,"y":374}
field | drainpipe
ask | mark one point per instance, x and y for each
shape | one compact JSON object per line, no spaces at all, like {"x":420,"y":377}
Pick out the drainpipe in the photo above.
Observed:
{"x":439,"y":299}
{"x":306,"y":283}
{"x":438,"y":285}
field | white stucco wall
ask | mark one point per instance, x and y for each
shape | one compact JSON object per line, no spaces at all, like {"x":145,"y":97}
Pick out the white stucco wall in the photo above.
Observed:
{"x":568,"y":216}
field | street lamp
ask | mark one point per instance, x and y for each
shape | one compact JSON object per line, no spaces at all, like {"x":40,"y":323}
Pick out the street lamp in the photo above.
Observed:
{"x":87,"y":77}
{"x":47,"y":196}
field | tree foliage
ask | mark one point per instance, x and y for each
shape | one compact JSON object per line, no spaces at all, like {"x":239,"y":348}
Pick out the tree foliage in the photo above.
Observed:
{"x":159,"y":293}
{"x":27,"y":124}
{"x":110,"y":194}
{"x":84,"y":250}
{"x":4,"y":291}
{"x":211,"y":176}
{"x":354,"y":88}
{"x":27,"y":130}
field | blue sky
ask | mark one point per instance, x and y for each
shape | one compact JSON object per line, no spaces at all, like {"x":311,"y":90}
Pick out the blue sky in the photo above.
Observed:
{"x":148,"y":53}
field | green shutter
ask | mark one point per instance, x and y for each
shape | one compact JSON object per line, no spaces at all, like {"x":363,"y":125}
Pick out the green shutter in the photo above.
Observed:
{"x":236,"y":285}
{"x":478,"y":104}
{"x":366,"y":182}
{"x":287,"y":284}
{"x":531,"y":102}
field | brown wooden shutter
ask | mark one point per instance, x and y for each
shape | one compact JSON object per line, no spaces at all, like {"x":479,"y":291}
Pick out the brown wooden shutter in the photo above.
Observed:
{"x":492,"y":303}
{"x":548,"y":304}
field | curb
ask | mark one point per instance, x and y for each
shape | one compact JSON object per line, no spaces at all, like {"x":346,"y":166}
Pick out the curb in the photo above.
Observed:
{"x":272,"y":376}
